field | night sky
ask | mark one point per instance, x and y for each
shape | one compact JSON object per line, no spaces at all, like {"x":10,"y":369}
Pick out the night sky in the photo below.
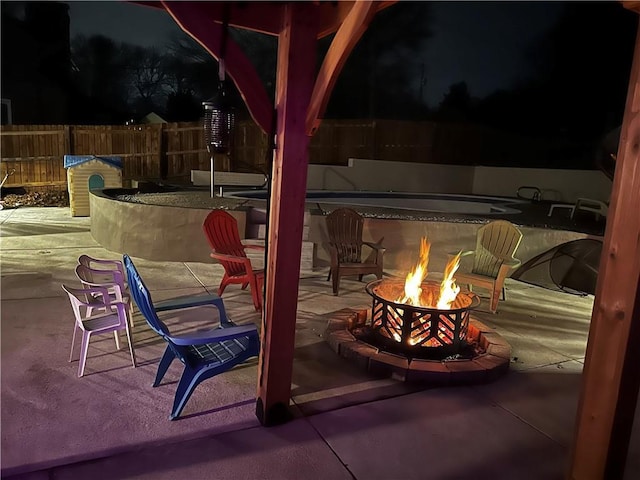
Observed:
{"x":482,"y":43}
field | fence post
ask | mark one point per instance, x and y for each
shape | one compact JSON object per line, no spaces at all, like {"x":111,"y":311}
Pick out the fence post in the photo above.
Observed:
{"x":68,"y":144}
{"x":162,"y":154}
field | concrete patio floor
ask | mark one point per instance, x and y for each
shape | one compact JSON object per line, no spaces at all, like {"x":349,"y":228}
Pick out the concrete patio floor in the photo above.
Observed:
{"x":112,"y":424}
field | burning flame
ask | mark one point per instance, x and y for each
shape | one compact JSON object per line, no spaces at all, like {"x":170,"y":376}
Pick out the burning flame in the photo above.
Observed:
{"x":413,"y":294}
{"x":415,"y":277}
{"x":448,"y":288}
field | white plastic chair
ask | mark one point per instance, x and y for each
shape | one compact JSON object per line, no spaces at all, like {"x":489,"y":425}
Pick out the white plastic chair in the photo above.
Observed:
{"x":101,"y":264}
{"x":594,"y":206}
{"x":105,"y":264}
{"x":112,"y":319}
{"x":113,"y":280}
{"x":587,"y":204}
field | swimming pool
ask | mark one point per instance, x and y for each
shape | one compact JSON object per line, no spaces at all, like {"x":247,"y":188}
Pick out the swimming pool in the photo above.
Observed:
{"x":425,"y":202}
{"x":151,"y":225}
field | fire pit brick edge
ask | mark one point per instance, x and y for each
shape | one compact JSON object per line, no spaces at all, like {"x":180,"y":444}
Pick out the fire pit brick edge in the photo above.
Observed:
{"x":484,"y":368}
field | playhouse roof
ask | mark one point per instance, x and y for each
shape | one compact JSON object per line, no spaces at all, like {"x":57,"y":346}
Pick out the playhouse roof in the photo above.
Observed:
{"x":75,"y":160}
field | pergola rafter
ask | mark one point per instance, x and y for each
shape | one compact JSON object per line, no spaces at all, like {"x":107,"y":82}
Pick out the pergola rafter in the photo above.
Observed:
{"x":202,"y":26}
{"x":354,"y":25}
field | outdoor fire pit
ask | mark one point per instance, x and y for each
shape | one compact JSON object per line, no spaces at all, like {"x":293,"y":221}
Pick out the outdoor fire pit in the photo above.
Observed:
{"x":419,"y":331}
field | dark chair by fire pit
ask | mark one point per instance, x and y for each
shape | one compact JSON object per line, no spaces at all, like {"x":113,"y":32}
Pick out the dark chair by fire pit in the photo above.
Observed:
{"x":344,"y":227}
{"x":496,"y":245}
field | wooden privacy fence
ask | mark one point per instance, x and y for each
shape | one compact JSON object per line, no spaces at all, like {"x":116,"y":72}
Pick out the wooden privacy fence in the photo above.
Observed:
{"x":34,"y":153}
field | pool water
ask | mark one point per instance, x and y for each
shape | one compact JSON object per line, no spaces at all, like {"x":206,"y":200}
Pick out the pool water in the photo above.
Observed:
{"x":426,"y":202}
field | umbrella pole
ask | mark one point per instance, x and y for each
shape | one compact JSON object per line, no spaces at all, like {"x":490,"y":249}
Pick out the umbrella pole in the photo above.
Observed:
{"x":212,"y":186}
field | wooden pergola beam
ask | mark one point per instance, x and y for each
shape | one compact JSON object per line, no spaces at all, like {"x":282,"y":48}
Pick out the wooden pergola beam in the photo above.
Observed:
{"x":610,"y":380}
{"x":265,"y":17}
{"x":262,"y":17}
{"x":355,"y":24}
{"x":333,"y":14}
{"x":201,"y":27}
{"x":633,"y":5}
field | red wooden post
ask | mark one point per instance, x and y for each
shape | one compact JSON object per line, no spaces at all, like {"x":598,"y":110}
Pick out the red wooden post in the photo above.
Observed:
{"x":610,"y":380}
{"x":294,"y":84}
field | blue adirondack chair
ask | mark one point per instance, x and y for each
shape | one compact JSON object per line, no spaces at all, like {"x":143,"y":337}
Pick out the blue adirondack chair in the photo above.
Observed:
{"x":204,"y":354}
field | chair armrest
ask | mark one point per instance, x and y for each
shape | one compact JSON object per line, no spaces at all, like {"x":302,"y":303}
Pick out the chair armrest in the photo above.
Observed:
{"x":512,"y":263}
{"x":377,"y":252}
{"x":506,"y":267}
{"x":122,"y":308}
{"x":96,"y":293}
{"x":229,"y":258}
{"x":463,"y":254}
{"x":192,"y":301}
{"x":187,"y":302}
{"x":212,"y":336}
{"x":254,"y":247}
{"x":375,"y":246}
{"x":115,"y":287}
{"x":92,"y":291}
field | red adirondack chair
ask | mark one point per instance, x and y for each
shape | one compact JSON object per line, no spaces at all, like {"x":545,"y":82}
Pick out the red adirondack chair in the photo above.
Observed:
{"x":221,"y":230}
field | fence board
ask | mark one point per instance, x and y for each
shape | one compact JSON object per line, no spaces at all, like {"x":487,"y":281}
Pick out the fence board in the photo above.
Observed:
{"x":35,"y":152}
